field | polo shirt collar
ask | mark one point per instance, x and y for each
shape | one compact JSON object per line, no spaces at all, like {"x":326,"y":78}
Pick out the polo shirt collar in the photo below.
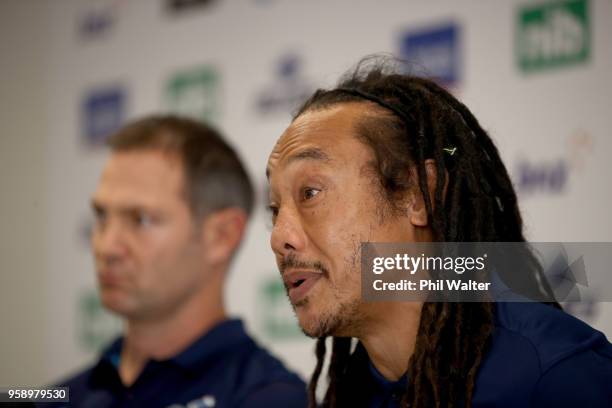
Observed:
{"x":221,"y":338}
{"x":225,"y":336}
{"x":387,"y":386}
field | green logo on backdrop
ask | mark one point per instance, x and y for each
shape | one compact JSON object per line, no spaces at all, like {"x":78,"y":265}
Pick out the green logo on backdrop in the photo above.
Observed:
{"x":276,"y":316}
{"x":553,"y":34}
{"x":195,"y":93}
{"x":96,"y":327}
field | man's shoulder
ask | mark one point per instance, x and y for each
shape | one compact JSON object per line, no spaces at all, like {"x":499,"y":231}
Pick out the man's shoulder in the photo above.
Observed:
{"x":262,"y":377}
{"x":79,"y":379}
{"x":550,"y":333}
{"x":79,"y":386}
{"x":533,"y":343}
{"x":240,"y":374}
{"x":229,"y":360}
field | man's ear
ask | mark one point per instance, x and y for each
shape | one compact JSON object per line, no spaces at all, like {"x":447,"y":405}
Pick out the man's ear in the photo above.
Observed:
{"x":222,"y":232}
{"x":416,"y":202}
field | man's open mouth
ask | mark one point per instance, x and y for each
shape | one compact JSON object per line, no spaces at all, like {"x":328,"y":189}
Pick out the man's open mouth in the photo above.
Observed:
{"x":298,"y":283}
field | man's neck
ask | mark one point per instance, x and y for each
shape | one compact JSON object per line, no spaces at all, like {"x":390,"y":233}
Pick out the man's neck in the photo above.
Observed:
{"x":161,"y":339}
{"x":390,"y":336}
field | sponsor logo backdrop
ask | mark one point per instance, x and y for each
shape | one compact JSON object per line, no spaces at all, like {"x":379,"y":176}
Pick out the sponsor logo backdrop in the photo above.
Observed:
{"x":535,"y":73}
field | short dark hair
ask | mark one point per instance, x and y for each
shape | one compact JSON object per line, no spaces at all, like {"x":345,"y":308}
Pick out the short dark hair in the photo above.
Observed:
{"x":215,"y":178}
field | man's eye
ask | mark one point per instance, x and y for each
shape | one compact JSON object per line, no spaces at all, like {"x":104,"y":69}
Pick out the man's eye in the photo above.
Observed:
{"x":310,"y":192}
{"x":273,"y":213}
{"x":142,"y":220}
{"x":273,"y":210}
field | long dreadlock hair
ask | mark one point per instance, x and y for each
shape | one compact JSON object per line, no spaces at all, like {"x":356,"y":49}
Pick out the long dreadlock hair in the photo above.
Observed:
{"x":421,"y":121}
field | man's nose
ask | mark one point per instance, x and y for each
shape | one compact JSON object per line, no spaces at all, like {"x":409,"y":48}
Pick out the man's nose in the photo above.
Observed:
{"x":287,"y":233}
{"x":109,"y":240}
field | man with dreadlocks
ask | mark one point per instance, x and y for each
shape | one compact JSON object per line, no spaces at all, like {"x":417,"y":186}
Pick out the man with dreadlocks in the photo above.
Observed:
{"x":387,"y":157}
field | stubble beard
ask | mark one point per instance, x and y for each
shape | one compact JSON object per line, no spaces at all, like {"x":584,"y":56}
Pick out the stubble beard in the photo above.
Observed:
{"x":341,"y":321}
{"x":342,"y":317}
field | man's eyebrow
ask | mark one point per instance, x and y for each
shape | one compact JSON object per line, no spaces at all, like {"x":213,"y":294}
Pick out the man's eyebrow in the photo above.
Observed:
{"x":312,"y":153}
{"x":97,"y":206}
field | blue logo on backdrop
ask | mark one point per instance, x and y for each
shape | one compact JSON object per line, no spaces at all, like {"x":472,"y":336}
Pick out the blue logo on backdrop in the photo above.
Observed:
{"x":433,"y":52}
{"x":288,"y":90}
{"x":546,"y":177}
{"x":541,"y":176}
{"x":95,"y":23}
{"x":98,"y":17}
{"x":103,"y":114}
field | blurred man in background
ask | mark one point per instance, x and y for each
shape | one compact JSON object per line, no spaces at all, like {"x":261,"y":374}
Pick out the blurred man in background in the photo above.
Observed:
{"x":171,"y":210}
{"x":387,"y":157}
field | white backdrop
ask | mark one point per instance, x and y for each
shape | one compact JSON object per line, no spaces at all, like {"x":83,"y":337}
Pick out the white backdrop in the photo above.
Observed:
{"x":244,"y":64}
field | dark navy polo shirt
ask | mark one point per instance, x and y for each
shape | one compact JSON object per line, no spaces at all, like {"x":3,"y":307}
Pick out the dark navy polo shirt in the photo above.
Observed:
{"x":539,"y":357}
{"x":223,"y":368}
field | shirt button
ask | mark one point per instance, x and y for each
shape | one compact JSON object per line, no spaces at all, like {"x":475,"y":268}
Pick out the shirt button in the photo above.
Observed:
{"x":396,"y":395}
